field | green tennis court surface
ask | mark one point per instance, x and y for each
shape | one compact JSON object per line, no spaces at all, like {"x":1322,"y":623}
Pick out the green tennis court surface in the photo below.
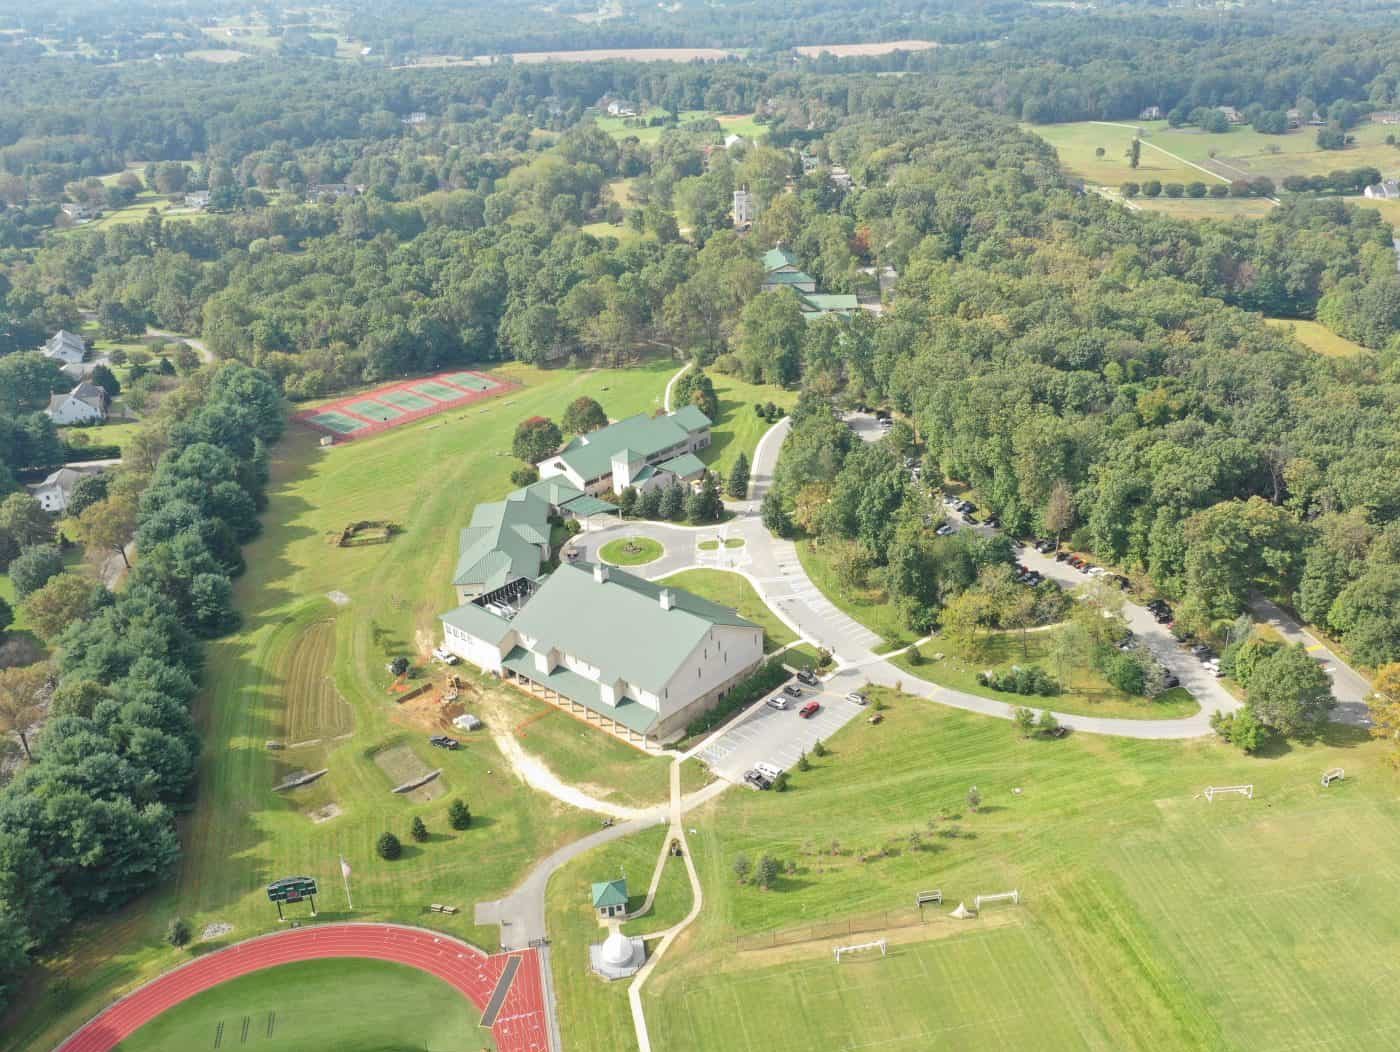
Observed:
{"x":406,"y":400}
{"x":375,"y":410}
{"x":337,"y":422}
{"x":441,"y":392}
{"x":470,"y":381}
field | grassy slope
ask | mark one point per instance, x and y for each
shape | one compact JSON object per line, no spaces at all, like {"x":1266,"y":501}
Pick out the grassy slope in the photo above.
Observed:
{"x":1152,"y":920}
{"x":1089,"y":694}
{"x":426,"y":476}
{"x":1318,"y":337}
{"x":311,"y":1001}
{"x":733,"y":590}
{"x":739,"y":427}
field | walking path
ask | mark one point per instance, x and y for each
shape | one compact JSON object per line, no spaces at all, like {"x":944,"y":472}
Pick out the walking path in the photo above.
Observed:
{"x":198,"y":346}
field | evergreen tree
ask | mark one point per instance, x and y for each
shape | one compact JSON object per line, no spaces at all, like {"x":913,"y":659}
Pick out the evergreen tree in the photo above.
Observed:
{"x":418,"y":830}
{"x":627,"y":502}
{"x":672,"y":503}
{"x":459,"y":815}
{"x":738,"y":484}
{"x":775,"y":517}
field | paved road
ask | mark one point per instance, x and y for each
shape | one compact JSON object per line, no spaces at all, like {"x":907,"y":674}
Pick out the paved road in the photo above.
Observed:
{"x":199,"y":347}
{"x":1349,"y":687}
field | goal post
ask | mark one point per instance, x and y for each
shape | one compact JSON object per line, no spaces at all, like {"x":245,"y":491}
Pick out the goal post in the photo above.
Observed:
{"x":1003,"y":896}
{"x":862,"y":947}
{"x":1212,"y":791}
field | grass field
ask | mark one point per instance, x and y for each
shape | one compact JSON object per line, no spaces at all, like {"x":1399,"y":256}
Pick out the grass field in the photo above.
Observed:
{"x":732,"y":123}
{"x":593,"y":1014}
{"x":1076,"y":144}
{"x":621,"y":231}
{"x":734,"y":591}
{"x":1151,"y":920}
{"x":739,"y":427}
{"x":1318,"y":337}
{"x":426,"y":475}
{"x":1087,"y":693}
{"x":1222,"y":208}
{"x":631,"y":551}
{"x":870,"y":606}
{"x":310,"y":1003}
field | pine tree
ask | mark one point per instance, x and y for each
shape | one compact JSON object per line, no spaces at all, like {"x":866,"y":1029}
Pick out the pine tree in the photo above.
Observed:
{"x":418,"y":830}
{"x":627,"y":502}
{"x":738,"y":484}
{"x":388,"y":847}
{"x":672,"y":503}
{"x":459,"y":815}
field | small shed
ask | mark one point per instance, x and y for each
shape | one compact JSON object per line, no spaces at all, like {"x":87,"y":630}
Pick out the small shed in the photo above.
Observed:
{"x":610,"y":898}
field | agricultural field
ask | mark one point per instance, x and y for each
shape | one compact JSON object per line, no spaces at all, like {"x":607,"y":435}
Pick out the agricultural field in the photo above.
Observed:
{"x":858,"y":50}
{"x":732,"y":124}
{"x":1318,"y":337}
{"x":733,"y":590}
{"x":425,"y":476}
{"x":301,"y":1006}
{"x":1086,"y":692}
{"x":1219,"y":208}
{"x":1151,"y":918}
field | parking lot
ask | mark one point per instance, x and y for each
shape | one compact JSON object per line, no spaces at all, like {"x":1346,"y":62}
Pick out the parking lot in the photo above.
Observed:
{"x":779,"y":736}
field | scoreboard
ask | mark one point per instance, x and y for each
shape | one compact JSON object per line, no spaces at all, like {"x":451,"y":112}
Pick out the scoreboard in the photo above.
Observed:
{"x":291,"y":889}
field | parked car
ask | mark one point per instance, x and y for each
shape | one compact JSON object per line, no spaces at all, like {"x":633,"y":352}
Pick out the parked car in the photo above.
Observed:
{"x":1171,"y":680}
{"x":792,"y":690}
{"x":969,"y":518}
{"x":809,"y":710}
{"x":777,"y":701}
{"x":945,"y":529}
{"x":808,"y":677}
{"x":856,"y":697}
{"x":757,"y":780}
{"x":446,"y":656}
{"x":1121,"y":581}
{"x":442,"y":741}
{"x":1062,"y":557}
{"x":994,"y":522}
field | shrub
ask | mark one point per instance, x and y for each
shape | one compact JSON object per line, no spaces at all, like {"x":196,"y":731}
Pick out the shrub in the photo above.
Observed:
{"x":388,"y":847}
{"x":974,"y":799}
{"x":178,"y":933}
{"x":459,"y":815}
{"x":1024,"y":719}
{"x":768,"y":677}
{"x":780,"y":783}
{"x":803,"y":764}
{"x":767,"y":871}
{"x":418,"y":830}
{"x":742,"y":867}
{"x":1021,"y":679}
{"x":819,"y":748}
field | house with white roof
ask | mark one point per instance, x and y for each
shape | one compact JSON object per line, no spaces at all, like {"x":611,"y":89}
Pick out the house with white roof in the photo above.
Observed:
{"x":55,"y":491}
{"x":85,"y":404}
{"x":65,"y":348}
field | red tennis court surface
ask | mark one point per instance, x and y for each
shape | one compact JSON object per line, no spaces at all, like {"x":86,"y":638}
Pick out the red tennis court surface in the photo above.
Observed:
{"x":521,"y":1025}
{"x":356,"y":416}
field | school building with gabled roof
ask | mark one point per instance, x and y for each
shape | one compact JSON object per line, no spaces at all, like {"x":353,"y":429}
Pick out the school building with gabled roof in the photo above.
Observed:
{"x":641,"y":452}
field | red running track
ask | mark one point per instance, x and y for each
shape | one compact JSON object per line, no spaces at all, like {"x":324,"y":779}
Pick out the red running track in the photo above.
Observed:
{"x":522,"y":1025}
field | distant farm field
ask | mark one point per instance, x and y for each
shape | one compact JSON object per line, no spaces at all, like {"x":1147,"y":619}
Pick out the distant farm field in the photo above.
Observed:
{"x":655,"y":54}
{"x":855,"y":50}
{"x":1318,"y":337}
{"x":1221,"y":208}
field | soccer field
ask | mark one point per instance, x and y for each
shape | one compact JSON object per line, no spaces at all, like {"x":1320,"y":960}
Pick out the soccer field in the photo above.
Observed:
{"x":321,"y":1005}
{"x":1151,"y":919}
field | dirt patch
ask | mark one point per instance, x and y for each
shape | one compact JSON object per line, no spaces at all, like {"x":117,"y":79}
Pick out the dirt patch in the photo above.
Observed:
{"x":311,"y":706}
{"x":214,"y":931}
{"x":325,"y":814}
{"x":402,"y":765}
{"x":338,"y":598}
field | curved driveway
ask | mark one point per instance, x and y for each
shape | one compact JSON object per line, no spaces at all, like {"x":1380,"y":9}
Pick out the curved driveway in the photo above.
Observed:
{"x":772,"y":567}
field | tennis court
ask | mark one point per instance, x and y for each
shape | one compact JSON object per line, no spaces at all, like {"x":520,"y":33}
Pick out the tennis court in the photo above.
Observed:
{"x":337,"y":422}
{"x":470,"y":381}
{"x":405,"y":399}
{"x":441,"y":392}
{"x":370,"y":412}
{"x":375,"y":410}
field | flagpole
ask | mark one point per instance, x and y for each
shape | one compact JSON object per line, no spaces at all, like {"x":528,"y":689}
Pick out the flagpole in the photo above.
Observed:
{"x":345,"y":877}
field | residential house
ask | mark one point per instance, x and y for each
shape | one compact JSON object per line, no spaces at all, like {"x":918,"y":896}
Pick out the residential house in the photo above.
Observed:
{"x":56,"y":490}
{"x":415,"y":118}
{"x":639,"y":658}
{"x":1232,"y":115}
{"x":79,"y":213}
{"x":780,"y":270}
{"x":841,"y":178}
{"x":642,"y":452}
{"x":85,"y":404}
{"x":743,"y":209}
{"x":1385,"y":190}
{"x":199,"y":199}
{"x":1150,"y":113}
{"x":65,"y":347}
{"x":809,"y":163}
{"x":333,"y":191}
{"x":731,"y":140}
{"x":817,"y":304}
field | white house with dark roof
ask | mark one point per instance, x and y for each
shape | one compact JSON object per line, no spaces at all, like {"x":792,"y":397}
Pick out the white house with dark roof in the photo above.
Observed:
{"x":85,"y":404}
{"x":641,"y":452}
{"x":55,"y":491}
{"x":65,"y":347}
{"x":639,"y":657}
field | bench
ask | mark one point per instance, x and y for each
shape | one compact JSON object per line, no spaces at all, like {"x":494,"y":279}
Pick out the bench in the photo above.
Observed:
{"x":438,"y":907}
{"x":923,"y":898}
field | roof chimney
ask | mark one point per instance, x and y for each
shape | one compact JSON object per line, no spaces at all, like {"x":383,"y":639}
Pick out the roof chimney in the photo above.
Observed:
{"x":667,"y":599}
{"x":600,"y":572}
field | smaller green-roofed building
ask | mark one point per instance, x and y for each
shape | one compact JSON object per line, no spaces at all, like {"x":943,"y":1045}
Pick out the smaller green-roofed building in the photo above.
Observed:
{"x":507,"y":540}
{"x":610,"y":898}
{"x":628,"y":453}
{"x":792,"y":279}
{"x":778,"y":259}
{"x":815,"y":304}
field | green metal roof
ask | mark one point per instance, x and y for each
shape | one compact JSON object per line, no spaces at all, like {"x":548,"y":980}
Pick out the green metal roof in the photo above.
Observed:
{"x":777,"y":258}
{"x":609,"y":893}
{"x":685,"y":465}
{"x":591,"y":455}
{"x":503,"y":541}
{"x":478,"y":622}
{"x":591,"y":506}
{"x":558,"y":491}
{"x":618,"y":625}
{"x":629,"y":713}
{"x":789,"y":277}
{"x":830,"y":301}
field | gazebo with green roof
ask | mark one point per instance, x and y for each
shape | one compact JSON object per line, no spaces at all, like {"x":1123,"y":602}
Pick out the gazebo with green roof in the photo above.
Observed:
{"x":610,"y":897}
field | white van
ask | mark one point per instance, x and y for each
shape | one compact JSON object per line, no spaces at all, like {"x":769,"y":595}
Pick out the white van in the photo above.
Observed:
{"x":767,"y":770}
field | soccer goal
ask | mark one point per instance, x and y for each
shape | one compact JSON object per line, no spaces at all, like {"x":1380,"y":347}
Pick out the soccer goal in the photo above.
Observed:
{"x":1004,"y":896}
{"x":861,"y":947}
{"x":1212,"y":791}
{"x":1336,"y":774}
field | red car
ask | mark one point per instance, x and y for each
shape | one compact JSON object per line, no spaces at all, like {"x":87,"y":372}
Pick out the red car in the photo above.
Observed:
{"x":809,"y":710}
